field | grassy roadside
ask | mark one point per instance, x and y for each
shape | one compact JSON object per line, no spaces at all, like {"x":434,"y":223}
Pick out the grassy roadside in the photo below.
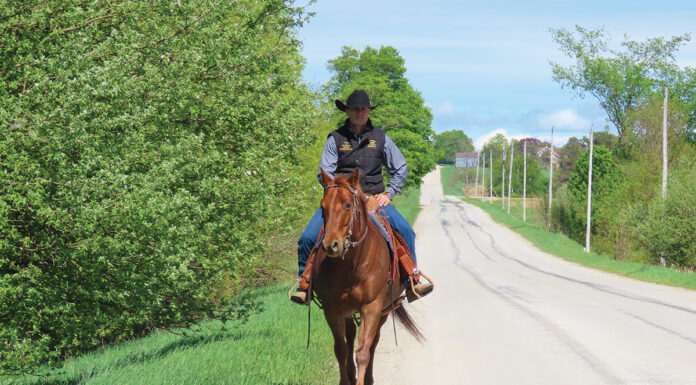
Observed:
{"x":269,"y":349}
{"x":560,"y":245}
{"x":408,"y":204}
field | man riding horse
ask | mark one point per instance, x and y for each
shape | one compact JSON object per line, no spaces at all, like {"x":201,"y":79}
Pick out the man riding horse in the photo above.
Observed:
{"x":358,"y":144}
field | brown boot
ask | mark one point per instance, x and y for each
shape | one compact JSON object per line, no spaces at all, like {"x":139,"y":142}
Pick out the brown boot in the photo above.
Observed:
{"x":300,"y":297}
{"x":418,"y":290}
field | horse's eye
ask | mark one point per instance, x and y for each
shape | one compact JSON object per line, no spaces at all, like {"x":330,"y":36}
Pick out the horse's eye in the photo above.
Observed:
{"x":347,"y":205}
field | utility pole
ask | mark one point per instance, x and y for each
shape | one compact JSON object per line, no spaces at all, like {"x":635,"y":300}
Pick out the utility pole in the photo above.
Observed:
{"x":551,"y":173}
{"x":476,"y":181}
{"x":663,"y":261}
{"x":524,"y":184}
{"x":502,"y":179}
{"x":490,"y":183}
{"x":589,"y":193}
{"x":512,"y":154}
{"x":483,"y":177}
{"x":548,"y":219}
{"x":664,"y":147}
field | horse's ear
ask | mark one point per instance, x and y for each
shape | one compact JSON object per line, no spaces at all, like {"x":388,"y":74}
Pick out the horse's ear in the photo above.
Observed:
{"x":354,"y":178}
{"x":325,"y":178}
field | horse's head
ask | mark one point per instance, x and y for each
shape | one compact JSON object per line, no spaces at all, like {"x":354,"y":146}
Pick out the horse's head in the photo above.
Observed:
{"x":341,"y":205}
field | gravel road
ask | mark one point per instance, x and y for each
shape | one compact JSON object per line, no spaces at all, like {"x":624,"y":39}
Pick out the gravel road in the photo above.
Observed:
{"x":504,"y":312}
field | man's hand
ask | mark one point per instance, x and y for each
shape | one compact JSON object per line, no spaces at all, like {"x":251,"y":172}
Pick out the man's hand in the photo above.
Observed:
{"x":383,"y":199}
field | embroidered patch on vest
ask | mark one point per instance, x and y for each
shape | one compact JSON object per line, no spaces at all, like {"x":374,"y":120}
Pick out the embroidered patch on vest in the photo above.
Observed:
{"x":345,"y":147}
{"x":372,"y":144}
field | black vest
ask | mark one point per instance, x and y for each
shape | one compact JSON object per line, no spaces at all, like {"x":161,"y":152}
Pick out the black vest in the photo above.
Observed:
{"x":366,"y":155}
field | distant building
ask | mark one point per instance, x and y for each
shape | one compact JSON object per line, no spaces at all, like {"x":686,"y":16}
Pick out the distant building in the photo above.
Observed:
{"x":465,"y":159}
{"x":542,"y":150}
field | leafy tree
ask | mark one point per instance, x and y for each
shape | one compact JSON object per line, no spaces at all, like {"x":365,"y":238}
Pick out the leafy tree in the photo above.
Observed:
{"x":604,"y":138}
{"x":451,"y":142}
{"x":401,"y":110}
{"x":668,"y":227}
{"x":535,"y":184}
{"x":495,"y":147}
{"x":605,"y":174}
{"x":535,"y":181}
{"x":569,"y":154}
{"x":619,"y":79}
{"x":683,"y":94}
{"x":144,"y":146}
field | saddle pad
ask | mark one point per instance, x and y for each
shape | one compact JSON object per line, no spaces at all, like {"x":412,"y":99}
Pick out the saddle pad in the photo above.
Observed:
{"x":382,"y":228}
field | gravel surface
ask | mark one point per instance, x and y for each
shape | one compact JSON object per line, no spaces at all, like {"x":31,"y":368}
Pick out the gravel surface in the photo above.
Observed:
{"x":504,"y":312}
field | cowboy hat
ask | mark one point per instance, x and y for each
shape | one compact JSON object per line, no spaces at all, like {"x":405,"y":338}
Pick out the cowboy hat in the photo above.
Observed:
{"x":357,"y":99}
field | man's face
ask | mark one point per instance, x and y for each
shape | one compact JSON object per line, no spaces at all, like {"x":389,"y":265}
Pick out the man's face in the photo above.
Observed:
{"x":358,"y":115}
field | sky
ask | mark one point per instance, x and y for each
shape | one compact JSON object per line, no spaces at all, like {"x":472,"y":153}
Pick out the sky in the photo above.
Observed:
{"x":483,"y":66}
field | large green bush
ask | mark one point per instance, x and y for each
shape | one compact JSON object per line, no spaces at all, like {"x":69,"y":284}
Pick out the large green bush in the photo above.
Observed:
{"x":144,"y":146}
{"x":668,"y":227}
{"x":567,"y":215}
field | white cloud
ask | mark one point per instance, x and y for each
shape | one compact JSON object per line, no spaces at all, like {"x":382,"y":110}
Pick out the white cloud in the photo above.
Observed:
{"x":445,"y":109}
{"x":482,"y":140}
{"x":566,"y":119}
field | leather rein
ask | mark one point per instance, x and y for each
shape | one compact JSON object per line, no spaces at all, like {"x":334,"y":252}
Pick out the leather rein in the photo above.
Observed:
{"x":355,"y":210}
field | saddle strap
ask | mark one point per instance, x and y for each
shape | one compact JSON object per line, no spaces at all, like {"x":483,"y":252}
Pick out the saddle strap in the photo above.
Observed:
{"x":395,"y":305}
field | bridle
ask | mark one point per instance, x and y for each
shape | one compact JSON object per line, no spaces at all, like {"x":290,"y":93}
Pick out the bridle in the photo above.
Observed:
{"x":355,"y":210}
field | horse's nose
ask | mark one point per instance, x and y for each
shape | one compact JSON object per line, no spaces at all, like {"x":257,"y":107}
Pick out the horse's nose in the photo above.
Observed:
{"x":332,"y":248}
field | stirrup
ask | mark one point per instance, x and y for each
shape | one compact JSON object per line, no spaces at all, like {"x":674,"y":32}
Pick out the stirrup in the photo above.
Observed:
{"x":419,"y":290}
{"x":299,"y":297}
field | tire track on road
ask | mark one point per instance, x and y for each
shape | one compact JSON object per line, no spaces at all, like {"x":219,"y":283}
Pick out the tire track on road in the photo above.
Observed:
{"x":593,"y":362}
{"x":602,"y":288}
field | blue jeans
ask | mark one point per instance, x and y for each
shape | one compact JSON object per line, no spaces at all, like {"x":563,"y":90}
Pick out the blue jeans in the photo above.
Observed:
{"x":311,"y":233}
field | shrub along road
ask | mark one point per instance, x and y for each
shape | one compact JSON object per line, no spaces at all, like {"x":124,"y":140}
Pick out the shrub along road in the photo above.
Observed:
{"x":504,"y":312}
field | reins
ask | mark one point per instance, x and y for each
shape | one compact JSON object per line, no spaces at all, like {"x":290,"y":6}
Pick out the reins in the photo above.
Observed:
{"x":347,"y":243}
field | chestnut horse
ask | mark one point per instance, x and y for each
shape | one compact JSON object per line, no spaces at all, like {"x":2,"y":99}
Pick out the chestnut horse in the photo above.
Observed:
{"x":351,"y":274}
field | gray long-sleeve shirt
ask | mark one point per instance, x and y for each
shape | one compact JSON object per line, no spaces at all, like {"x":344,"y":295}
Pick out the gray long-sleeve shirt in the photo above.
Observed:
{"x":392,"y":159}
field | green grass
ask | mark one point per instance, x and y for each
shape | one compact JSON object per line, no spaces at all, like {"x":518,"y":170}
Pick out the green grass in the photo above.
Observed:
{"x":560,"y":245}
{"x":408,"y":204}
{"x":269,"y":349}
{"x":450,"y":184}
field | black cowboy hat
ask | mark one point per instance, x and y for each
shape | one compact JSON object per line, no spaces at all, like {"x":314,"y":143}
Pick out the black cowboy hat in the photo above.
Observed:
{"x":357,"y":98}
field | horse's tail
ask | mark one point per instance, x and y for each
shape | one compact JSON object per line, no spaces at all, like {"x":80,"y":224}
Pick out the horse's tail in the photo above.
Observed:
{"x":406,"y":320}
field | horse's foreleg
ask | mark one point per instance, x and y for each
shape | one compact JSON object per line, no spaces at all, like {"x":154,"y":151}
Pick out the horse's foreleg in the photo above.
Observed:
{"x":338,"y":329}
{"x":369,"y":326}
{"x":369,"y":379}
{"x":351,"y":331}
